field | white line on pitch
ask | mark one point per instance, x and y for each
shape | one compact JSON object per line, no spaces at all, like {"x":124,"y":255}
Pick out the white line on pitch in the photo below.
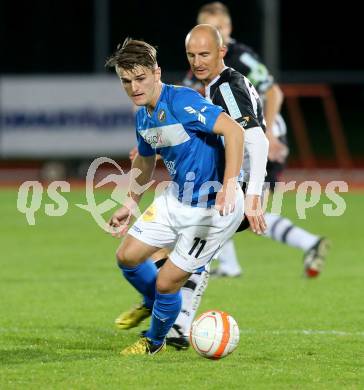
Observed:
{"x":303,"y":332}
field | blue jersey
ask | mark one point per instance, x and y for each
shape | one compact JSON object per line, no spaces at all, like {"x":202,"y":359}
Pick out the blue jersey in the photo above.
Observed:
{"x":180,"y":130}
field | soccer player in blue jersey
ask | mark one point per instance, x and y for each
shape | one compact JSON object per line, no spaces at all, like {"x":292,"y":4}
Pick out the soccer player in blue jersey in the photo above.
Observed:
{"x":185,"y":129}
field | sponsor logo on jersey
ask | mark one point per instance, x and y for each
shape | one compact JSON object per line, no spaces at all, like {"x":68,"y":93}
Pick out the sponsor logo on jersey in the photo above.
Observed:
{"x":149,"y":214}
{"x":245,"y":120}
{"x":154,"y":139}
{"x":192,"y":111}
{"x":137,"y":229}
{"x":164,"y":136}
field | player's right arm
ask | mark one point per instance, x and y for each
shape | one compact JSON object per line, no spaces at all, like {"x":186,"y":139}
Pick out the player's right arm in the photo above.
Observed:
{"x":143,"y":166}
{"x":141,"y":173}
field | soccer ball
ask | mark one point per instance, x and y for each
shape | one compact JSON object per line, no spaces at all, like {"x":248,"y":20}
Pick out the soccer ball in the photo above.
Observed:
{"x":214,"y":334}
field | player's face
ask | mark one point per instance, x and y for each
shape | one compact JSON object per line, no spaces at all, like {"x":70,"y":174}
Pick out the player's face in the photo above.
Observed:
{"x":221,"y":22}
{"x":141,"y":84}
{"x":205,"y":56}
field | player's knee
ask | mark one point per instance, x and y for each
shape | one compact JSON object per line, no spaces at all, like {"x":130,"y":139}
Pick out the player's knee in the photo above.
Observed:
{"x":124,"y":257}
{"x":164,"y":286}
{"x":119,"y":257}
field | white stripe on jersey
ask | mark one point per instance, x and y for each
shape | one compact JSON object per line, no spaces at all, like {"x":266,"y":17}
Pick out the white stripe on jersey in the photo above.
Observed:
{"x":230,"y":101}
{"x":161,"y":137}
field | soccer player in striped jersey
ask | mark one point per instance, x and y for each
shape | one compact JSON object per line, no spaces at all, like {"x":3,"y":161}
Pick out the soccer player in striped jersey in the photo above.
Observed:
{"x":243,"y":59}
{"x":228,"y":88}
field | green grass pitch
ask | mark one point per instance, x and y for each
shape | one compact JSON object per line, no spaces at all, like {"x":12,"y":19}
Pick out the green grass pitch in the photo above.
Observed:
{"x":60,"y":291}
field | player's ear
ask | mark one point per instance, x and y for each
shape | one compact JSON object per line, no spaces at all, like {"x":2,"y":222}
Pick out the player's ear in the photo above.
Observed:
{"x":223,"y":51}
{"x":229,"y":29}
{"x":157,"y":73}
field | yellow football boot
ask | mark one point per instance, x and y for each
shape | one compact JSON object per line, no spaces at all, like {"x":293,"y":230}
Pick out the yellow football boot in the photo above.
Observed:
{"x":133,"y":317}
{"x":143,"y":347}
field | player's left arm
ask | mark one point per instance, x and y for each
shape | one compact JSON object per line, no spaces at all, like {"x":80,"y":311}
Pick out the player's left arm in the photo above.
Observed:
{"x":273,"y":102}
{"x":257,"y":145}
{"x":233,"y":135}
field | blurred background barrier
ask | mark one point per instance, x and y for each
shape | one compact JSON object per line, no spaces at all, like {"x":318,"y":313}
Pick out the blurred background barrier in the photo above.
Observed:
{"x":52,"y":127}
{"x":64,"y":117}
{"x":60,"y":108}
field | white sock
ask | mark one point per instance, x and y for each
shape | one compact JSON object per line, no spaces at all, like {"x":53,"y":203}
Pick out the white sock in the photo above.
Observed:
{"x":228,"y":259}
{"x":192,"y":293}
{"x":282,"y":229}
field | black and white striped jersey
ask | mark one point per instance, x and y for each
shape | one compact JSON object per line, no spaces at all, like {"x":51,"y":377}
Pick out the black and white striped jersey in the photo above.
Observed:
{"x":238,"y":97}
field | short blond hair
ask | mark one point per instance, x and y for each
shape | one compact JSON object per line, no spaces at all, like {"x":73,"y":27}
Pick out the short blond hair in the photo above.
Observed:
{"x":214,"y":8}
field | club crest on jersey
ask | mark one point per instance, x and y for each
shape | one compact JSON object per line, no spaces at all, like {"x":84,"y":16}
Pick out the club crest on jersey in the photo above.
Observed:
{"x":161,"y":115}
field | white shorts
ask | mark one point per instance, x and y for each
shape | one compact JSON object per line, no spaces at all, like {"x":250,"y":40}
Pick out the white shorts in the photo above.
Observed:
{"x":196,"y":234}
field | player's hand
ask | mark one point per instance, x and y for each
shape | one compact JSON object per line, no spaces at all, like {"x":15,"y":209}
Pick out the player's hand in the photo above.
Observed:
{"x":278,"y":151}
{"x":133,"y":153}
{"x":119,"y":222}
{"x":225,"y":199}
{"x":254,"y":213}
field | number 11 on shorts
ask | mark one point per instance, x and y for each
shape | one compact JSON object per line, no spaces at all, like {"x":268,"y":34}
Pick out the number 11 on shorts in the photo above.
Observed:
{"x":194,"y":247}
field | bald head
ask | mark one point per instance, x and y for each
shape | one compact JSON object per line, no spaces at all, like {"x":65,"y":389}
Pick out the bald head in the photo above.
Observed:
{"x":205,"y":32}
{"x":205,"y":52}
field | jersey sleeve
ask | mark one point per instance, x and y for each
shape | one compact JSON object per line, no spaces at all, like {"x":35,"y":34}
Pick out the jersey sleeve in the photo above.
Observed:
{"x":241,"y":103}
{"x":144,"y":149}
{"x":256,"y":72}
{"x":194,"y":111}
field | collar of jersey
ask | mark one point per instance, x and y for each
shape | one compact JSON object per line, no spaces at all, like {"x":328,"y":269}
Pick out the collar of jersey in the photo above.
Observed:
{"x":155,"y":108}
{"x":207,"y":88}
